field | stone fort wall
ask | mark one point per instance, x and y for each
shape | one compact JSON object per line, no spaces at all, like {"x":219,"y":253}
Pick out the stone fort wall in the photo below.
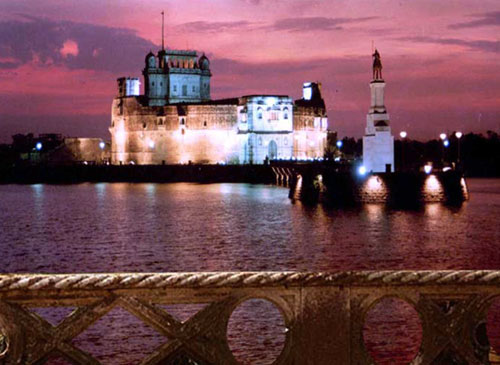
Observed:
{"x":202,"y":133}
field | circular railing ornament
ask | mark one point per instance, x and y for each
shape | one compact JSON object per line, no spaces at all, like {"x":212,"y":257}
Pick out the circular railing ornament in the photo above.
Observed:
{"x":4,"y":345}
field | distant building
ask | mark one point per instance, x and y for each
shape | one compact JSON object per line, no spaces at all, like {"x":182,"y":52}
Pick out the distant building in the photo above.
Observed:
{"x":378,"y":142}
{"x":54,"y":149}
{"x":175,"y":121}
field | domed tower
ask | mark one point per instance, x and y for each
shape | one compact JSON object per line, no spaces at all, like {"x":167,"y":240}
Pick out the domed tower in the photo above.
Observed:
{"x":204,"y":65}
{"x":155,"y":80}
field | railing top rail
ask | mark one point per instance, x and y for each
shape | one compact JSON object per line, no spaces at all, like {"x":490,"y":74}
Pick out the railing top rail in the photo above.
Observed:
{"x":115,"y":281}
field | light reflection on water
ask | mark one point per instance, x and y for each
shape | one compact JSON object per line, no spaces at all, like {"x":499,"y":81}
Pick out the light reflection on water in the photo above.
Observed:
{"x":189,"y":227}
{"x":193,"y":227}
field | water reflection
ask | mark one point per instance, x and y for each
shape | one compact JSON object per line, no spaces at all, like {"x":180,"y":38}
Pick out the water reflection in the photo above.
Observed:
{"x":195,"y":227}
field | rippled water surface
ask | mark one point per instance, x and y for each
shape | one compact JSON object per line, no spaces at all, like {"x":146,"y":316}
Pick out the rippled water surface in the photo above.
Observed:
{"x":192,"y":227}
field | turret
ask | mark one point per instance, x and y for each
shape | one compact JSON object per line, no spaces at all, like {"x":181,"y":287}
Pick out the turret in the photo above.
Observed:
{"x":155,"y":79}
{"x":204,"y":65}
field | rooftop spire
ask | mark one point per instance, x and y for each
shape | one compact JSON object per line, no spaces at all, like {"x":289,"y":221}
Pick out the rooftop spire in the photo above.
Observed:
{"x":162,"y":30}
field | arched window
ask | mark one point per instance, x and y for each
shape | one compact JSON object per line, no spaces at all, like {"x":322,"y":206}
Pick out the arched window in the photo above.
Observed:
{"x":259,"y":113}
{"x":205,"y":123}
{"x":183,"y":121}
{"x":285,"y":113}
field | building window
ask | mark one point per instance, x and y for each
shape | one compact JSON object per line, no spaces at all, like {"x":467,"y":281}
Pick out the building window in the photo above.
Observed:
{"x":285,"y":141}
{"x":285,"y":113}
{"x":143,"y":125}
{"x":273,"y":116}
{"x":260,"y":141}
{"x":194,"y":88}
{"x":175,"y":88}
{"x":153,"y":83}
{"x":205,"y":123}
{"x":161,"y":83}
{"x":184,"y":90}
{"x":259,"y":112}
{"x":183,"y":121}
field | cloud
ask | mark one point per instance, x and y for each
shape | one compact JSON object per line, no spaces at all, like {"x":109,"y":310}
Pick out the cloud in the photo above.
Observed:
{"x":306,"y":24}
{"x":486,"y":19}
{"x":215,"y":27}
{"x":74,"y":45}
{"x":69,"y":48}
{"x":483,"y":45}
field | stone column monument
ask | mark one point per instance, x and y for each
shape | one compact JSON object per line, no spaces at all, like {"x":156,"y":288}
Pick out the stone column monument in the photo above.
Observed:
{"x":378,"y":142}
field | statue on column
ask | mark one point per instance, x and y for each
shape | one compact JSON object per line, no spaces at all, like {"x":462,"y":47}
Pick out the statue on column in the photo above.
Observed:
{"x":377,"y":66}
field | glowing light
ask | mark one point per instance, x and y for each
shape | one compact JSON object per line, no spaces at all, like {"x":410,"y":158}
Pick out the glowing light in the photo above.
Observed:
{"x":447,"y":168}
{"x":428,"y":169}
{"x":39,"y":146}
{"x":336,"y":159}
{"x":85,"y":163}
{"x":465,"y":190}
{"x":270,"y":101}
{"x":403,"y":134}
{"x":433,"y":189}
{"x":151,"y":143}
{"x":102,"y":145}
{"x":458,"y":135}
{"x":446,"y":143}
{"x":307,"y":91}
{"x":311,"y":143}
{"x":362,"y":170}
{"x":339,"y":144}
{"x":131,"y":163}
{"x":120,"y":136}
{"x":442,"y":136}
{"x":374,"y":183}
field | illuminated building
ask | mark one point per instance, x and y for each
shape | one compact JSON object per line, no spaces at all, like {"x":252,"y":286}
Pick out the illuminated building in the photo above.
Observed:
{"x":175,"y":121}
{"x":378,"y":142}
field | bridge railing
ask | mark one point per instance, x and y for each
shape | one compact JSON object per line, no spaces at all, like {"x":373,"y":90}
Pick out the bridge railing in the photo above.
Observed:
{"x":324,"y":312}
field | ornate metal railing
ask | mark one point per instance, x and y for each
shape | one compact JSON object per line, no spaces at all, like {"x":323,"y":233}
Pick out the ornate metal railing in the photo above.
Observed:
{"x":324,"y":312}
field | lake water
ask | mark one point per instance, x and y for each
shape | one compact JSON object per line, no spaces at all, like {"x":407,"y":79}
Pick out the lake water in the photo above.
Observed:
{"x":193,"y":227}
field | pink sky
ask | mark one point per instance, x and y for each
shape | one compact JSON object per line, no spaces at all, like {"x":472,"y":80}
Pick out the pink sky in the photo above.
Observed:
{"x":59,"y":60}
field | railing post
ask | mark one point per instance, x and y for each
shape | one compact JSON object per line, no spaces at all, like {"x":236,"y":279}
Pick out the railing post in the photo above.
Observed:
{"x":324,"y":326}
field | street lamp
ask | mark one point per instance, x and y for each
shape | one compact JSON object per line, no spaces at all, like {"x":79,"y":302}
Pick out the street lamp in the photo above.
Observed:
{"x":458,"y":135}
{"x":443,"y":138}
{"x":403,"y":135}
{"x":38,"y":146}
{"x":339,"y":144}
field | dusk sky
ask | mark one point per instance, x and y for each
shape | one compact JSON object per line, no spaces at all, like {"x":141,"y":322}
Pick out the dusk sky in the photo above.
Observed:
{"x":59,"y":60}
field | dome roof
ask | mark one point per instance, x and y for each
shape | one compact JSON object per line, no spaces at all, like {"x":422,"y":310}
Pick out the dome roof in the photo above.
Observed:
{"x":149,"y":55}
{"x":203,"y":62}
